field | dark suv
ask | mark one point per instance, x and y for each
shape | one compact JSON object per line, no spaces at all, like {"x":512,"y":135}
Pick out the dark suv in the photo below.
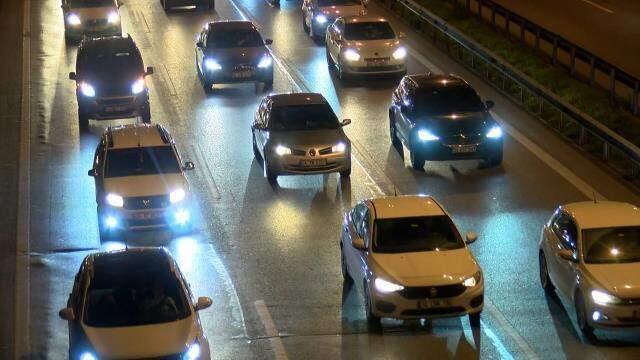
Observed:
{"x":110,"y":80}
{"x":441,"y":117}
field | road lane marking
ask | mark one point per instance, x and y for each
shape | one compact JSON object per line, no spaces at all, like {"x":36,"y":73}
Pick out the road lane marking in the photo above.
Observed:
{"x":598,"y":6}
{"x":271,"y":331}
{"x":207,"y":174}
{"x":504,"y":324}
{"x":502,"y":350}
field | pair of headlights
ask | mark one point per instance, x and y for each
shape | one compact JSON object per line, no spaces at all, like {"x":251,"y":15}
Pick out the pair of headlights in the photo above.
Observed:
{"x":116,"y":200}
{"x":74,"y":19}
{"x":386,"y":287}
{"x":89,"y":91}
{"x":353,"y":55}
{"x":426,"y":135}
{"x":282,"y":150}
{"x":212,"y":65}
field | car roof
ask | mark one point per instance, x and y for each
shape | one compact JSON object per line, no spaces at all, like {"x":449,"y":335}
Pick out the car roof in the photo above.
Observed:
{"x":391,"y":207}
{"x":602,"y":214}
{"x":137,"y":135}
{"x":431,"y":80}
{"x":108,"y":44}
{"x":363,"y":19}
{"x":134,"y":259}
{"x":297,"y":99}
{"x":231,"y":25}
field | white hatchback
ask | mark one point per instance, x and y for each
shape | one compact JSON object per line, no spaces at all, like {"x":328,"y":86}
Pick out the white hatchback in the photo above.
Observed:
{"x":408,"y":259}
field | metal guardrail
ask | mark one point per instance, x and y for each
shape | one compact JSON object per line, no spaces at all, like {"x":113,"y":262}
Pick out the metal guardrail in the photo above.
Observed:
{"x":584,"y":131}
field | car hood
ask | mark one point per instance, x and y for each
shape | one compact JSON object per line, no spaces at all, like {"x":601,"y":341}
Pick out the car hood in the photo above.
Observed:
{"x":374,"y":48}
{"x":145,"y":341}
{"x":621,"y":280}
{"x":308,"y":138}
{"x":145,"y":185}
{"x":432,"y":268}
{"x":457,"y":123}
{"x":93,"y":13}
{"x":334,"y":12}
{"x":237,"y":56}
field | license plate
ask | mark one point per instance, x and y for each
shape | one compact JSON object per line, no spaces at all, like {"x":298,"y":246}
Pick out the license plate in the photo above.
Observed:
{"x":115,"y":108}
{"x":462,"y":149}
{"x":433,"y":303}
{"x":242,"y":74}
{"x":146,"y":216}
{"x":376,"y":62}
{"x":313,"y":162}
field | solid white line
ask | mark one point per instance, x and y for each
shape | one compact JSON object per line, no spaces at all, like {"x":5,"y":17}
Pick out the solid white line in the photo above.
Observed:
{"x":22,"y":323}
{"x":598,"y":6}
{"x":506,"y":326}
{"x":502,"y":350}
{"x":271,"y":331}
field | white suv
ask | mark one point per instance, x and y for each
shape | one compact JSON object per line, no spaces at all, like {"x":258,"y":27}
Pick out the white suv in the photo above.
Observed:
{"x":140,"y":181}
{"x":408,"y":259}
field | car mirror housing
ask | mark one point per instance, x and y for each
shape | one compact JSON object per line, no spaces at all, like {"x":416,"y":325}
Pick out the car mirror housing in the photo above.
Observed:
{"x":268,"y":41}
{"x":188,"y":165}
{"x":490,"y":104}
{"x":471,"y":237}
{"x":67,"y":314}
{"x":566,"y":254}
{"x":358,"y":243}
{"x":202,"y":303}
{"x":91,"y":172}
{"x":149,"y":70}
{"x":346,"y":122}
{"x":72,"y":75}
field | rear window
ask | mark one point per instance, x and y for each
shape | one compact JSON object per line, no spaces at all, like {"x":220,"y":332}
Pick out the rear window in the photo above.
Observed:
{"x":141,"y":161}
{"x":416,"y":234}
{"x":369,"y":31}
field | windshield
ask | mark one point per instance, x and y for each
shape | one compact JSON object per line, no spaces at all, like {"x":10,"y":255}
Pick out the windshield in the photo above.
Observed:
{"x":120,"y":64}
{"x":303,"y":117}
{"x":446,"y":100}
{"x":369,"y":31}
{"x":323,"y":3}
{"x":611,"y":245}
{"x":234,"y":39}
{"x":117,"y":298}
{"x":428,"y":233}
{"x":92,"y":3}
{"x":141,"y":161}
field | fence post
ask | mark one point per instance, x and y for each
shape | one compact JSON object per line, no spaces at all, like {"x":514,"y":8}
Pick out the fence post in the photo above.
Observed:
{"x":634,"y":99}
{"x":606,"y":152}
{"x":522,"y":30}
{"x":612,"y":74}
{"x":480,"y":9}
{"x":554,"y":57}
{"x":573,"y":59}
{"x":592,"y":73}
{"x":507,"y":20}
{"x":493,"y":15}
{"x":581,"y":136}
{"x":537,"y":39}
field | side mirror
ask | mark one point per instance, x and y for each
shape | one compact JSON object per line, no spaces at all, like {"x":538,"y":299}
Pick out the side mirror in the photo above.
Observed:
{"x":358,"y":243}
{"x":401,"y":35}
{"x":200,"y":44}
{"x":67,"y":314}
{"x":188,"y":165}
{"x":346,"y":122}
{"x":566,"y":254}
{"x":471,"y":237}
{"x":203,"y":303}
{"x":72,"y":75}
{"x":258,"y":126}
{"x":268,"y":41}
{"x":490,"y":104}
{"x":149,"y":70}
{"x":91,"y":172}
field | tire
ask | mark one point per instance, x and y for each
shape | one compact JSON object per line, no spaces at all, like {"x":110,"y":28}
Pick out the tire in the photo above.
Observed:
{"x":330,"y":64}
{"x":83,"y":118}
{"x":395,"y":141}
{"x":581,"y":316}
{"x":272,"y":177}
{"x":417,"y":162}
{"x":345,"y":173}
{"x":146,"y":115}
{"x":343,"y":265}
{"x":494,"y":160}
{"x":256,"y":151}
{"x":373,"y":321}
{"x":474,"y":319}
{"x":543,"y":270}
{"x":207,"y":86}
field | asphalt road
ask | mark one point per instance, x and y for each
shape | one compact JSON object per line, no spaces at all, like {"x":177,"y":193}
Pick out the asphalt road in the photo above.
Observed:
{"x":269,"y":256}
{"x":608,"y":28}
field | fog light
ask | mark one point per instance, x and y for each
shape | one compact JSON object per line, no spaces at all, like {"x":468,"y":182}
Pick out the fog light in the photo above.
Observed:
{"x":182,"y":217}
{"x":596,"y":316}
{"x":111,"y":222}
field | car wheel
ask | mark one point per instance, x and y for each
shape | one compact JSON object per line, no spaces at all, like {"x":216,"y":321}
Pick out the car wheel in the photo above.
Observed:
{"x":271,"y":176}
{"x":83,"y":118}
{"x":345,"y":273}
{"x":545,"y":281}
{"x":395,"y":141}
{"x":417,"y":162}
{"x":256,"y":151}
{"x":474,"y":319}
{"x":330,"y":63}
{"x":373,"y":321}
{"x":495,"y":159}
{"x":207,"y":86}
{"x":581,"y":316}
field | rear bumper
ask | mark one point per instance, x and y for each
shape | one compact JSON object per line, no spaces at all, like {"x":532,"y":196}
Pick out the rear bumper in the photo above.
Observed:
{"x":116,"y":107}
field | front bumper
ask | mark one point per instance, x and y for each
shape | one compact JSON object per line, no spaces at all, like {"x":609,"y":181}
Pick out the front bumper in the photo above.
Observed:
{"x":439,"y":151}
{"x":415,"y":303}
{"x":121,"y":220}
{"x":238,"y":74}
{"x":625,"y":315}
{"x":383,"y":66}
{"x":114,"y":107}
{"x":306,"y":164}
{"x":77,"y":32}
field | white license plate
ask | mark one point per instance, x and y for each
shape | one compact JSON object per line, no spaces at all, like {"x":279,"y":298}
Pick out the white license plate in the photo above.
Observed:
{"x":146,"y":215}
{"x":115,"y":108}
{"x":433,"y":303}
{"x":314,"y":162}
{"x":463,"y":149}
{"x":243,"y":74}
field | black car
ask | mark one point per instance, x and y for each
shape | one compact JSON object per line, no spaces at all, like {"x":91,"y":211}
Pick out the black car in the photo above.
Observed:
{"x":205,"y":4}
{"x":233,"y":51}
{"x":441,"y":117}
{"x":110,"y":80}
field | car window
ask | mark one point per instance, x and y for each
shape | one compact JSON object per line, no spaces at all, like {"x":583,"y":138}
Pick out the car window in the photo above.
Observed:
{"x":446,"y":100}
{"x":566,"y":231}
{"x":323,"y":3}
{"x":356,"y":217}
{"x":303,"y":117}
{"x":92,"y":3}
{"x":369,"y":31}
{"x":141,"y":161}
{"x":611,"y":245}
{"x":414,"y":234}
{"x":106,"y":65}
{"x":233,"y":39}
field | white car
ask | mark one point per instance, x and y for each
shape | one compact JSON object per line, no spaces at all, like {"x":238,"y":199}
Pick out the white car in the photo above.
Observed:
{"x":317,"y":15}
{"x":91,"y":18}
{"x":134,"y":304}
{"x":140,"y":181}
{"x":590,"y":254}
{"x":359,"y":45}
{"x":407,"y":257}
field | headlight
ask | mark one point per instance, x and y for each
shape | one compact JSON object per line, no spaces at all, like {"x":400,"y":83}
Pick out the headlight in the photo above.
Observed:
{"x":351,"y":55}
{"x":87,"y":356}
{"x":385,"y":286}
{"x":400,"y":53}
{"x":321,"y":19}
{"x":602,"y":298}
{"x":211,"y":64}
{"x":265,"y":62}
{"x":137,"y":86}
{"x":87,"y":90}
{"x":495,"y":132}
{"x":193,"y":352}
{"x":473,"y":280}
{"x":177,"y":195}
{"x":426,"y":135}
{"x":282,"y":150}
{"x":115,"y":200}
{"x":339,"y":147}
{"x":113,"y":17}
{"x":73,"y":19}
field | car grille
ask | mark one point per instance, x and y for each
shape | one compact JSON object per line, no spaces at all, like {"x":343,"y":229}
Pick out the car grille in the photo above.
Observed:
{"x":425,"y":292}
{"x":146,"y":202}
{"x":96,"y":22}
{"x":146,"y":222}
{"x":303,"y":152}
{"x":116,"y":101}
{"x":433,"y":311}
{"x":380,"y":59}
{"x":461,"y":139}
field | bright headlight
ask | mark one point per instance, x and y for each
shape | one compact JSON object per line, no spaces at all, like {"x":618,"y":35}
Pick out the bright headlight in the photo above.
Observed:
{"x":282,"y":150}
{"x":113,"y":17}
{"x":87,"y":356}
{"x":351,"y":55}
{"x":385,"y":286}
{"x":426,"y":135}
{"x":73,"y":19}
{"x":472,"y":280}
{"x":87,"y":90}
{"x":265,"y":62}
{"x":321,"y":19}
{"x":212,"y":65}
{"x":495,"y":132}
{"x":193,"y":352}
{"x":602,"y":298}
{"x":137,"y":86}
{"x":177,"y":195}
{"x":400,"y":53}
{"x":115,"y":200}
{"x":339,"y":147}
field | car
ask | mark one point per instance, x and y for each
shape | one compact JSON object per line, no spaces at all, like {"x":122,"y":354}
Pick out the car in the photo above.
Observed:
{"x":204,"y":4}
{"x":359,"y":45}
{"x":590,"y":255}
{"x":140,"y":181}
{"x":110,"y":80}
{"x":93,"y":18}
{"x":317,"y":15}
{"x":298,"y":134}
{"x":133,"y":304}
{"x":406,"y":256}
{"x":441,"y":117}
{"x":231,"y":52}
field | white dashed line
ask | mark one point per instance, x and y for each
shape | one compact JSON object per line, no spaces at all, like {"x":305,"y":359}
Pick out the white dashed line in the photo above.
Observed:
{"x":271,"y":331}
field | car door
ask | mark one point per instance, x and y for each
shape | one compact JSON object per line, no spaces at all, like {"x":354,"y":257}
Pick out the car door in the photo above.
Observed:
{"x":563,"y":237}
{"x":99,"y":160}
{"x":352,"y":231}
{"x":76,"y":334}
{"x":404,"y":122}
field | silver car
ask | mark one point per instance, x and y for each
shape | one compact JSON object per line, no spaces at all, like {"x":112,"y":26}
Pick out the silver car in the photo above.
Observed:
{"x":297,"y":134}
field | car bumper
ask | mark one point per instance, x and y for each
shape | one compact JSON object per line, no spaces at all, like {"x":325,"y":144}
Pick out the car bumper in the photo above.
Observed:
{"x":231,"y":75}
{"x":394,"y":305}
{"x":301,"y":165}
{"x":119,"y":220}
{"x":390,"y":67}
{"x":437,"y":151}
{"x":115,"y":107}
{"x":79,"y":31}
{"x":614,"y":316}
